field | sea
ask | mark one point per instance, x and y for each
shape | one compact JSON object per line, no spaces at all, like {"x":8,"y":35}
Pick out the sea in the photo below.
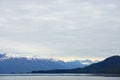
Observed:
{"x":59,"y":77}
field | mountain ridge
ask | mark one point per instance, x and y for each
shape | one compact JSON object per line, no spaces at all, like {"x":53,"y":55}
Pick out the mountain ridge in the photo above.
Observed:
{"x":23,"y":64}
{"x":110,"y":65}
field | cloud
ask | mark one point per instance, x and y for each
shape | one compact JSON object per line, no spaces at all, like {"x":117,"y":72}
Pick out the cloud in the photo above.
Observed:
{"x":60,"y":28}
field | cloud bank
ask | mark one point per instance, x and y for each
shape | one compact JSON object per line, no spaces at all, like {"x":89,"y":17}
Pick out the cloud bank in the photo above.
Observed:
{"x":60,"y":28}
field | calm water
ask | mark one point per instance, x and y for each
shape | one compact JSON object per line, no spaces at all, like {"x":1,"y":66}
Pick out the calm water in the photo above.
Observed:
{"x":58,"y":77}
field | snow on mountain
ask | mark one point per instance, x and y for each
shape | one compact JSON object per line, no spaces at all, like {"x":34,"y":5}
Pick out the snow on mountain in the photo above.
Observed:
{"x":2,"y":55}
{"x":23,"y":64}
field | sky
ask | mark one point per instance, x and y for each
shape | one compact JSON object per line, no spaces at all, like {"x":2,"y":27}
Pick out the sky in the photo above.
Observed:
{"x":60,"y":29}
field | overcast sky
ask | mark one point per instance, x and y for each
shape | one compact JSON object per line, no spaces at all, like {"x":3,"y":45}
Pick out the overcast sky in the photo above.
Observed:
{"x":62,"y":29}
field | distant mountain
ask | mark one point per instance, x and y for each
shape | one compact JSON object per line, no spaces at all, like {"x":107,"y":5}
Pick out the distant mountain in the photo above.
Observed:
{"x":110,"y":65}
{"x":2,"y":55}
{"x":87,"y":62}
{"x":22,"y":64}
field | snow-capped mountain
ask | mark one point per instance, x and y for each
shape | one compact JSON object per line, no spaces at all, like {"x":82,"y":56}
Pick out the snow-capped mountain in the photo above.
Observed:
{"x":23,"y":64}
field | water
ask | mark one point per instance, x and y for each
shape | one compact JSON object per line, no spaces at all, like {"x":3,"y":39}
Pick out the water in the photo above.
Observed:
{"x":58,"y":77}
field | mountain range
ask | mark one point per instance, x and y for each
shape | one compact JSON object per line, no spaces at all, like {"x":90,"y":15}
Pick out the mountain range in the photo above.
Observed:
{"x":23,"y":64}
{"x":110,"y":65}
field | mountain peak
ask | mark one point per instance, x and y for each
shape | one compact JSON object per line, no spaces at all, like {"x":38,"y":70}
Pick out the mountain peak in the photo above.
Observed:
{"x":2,"y":55}
{"x":115,"y":58}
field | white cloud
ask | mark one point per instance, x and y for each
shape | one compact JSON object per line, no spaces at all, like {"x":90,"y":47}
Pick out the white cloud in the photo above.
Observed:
{"x":59,"y":28}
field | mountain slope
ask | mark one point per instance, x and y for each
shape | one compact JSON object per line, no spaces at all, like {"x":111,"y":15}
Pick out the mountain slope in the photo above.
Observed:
{"x":110,"y":65}
{"x":22,"y":64}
